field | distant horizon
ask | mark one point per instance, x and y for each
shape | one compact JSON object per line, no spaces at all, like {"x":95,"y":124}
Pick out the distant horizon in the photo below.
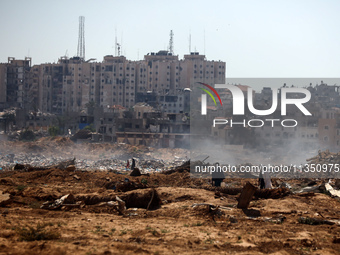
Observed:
{"x":259,"y":83}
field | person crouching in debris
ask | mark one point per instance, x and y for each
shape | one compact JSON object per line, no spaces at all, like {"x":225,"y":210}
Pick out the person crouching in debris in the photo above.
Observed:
{"x":217,"y":176}
{"x":133,"y":165}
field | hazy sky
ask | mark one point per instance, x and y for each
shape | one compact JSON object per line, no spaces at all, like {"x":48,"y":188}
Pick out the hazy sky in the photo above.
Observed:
{"x":255,"y":38}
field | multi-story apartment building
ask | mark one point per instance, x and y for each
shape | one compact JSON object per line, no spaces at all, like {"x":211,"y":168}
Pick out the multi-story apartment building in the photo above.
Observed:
{"x":195,"y":68}
{"x":161,"y":76}
{"x":3,"y":83}
{"x":14,"y":77}
{"x":74,"y":85}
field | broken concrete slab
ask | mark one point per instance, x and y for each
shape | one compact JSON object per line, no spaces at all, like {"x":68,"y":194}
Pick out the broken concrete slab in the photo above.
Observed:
{"x":64,"y":200}
{"x":332,"y":191}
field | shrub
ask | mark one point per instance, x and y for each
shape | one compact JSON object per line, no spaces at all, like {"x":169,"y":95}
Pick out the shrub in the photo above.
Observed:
{"x":54,"y":131}
{"x":36,"y":234}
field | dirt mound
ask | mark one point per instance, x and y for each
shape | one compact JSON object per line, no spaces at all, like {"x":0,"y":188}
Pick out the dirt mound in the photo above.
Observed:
{"x":135,"y":172}
{"x":148,"y":199}
{"x":184,"y":215}
{"x":95,"y":198}
{"x":127,"y":186}
{"x":81,"y":134}
{"x":272,"y":193}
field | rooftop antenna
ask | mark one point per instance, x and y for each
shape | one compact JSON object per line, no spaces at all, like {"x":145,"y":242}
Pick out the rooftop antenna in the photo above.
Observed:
{"x":204,"y":42}
{"x":171,"y":42}
{"x":189,"y":42}
{"x":118,"y":48}
{"x":121,"y":44}
{"x":81,"y":38}
{"x":116,"y":43}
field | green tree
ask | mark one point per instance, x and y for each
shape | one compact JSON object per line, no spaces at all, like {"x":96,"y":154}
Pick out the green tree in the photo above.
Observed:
{"x":90,"y":128}
{"x":54,"y":131}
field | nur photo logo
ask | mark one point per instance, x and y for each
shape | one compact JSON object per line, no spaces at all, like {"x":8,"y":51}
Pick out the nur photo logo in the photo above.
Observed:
{"x":238,"y":104}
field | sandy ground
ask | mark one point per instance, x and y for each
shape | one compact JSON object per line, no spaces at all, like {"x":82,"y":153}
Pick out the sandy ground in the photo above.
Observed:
{"x":268,"y":226}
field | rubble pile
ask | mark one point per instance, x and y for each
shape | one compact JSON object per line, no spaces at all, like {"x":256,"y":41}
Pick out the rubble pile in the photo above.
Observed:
{"x":324,"y":165}
{"x":185,"y":167}
{"x":49,"y":151}
{"x":325,"y":157}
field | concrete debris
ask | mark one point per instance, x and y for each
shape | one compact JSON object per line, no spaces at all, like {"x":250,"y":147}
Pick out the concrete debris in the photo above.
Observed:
{"x":277,"y":220}
{"x":25,"y":161}
{"x":323,"y":165}
{"x":148,"y":199}
{"x":316,"y":189}
{"x":325,"y":157}
{"x":64,"y":200}
{"x":121,"y":205}
{"x":285,"y":185}
{"x":185,"y":167}
{"x":63,"y":165}
{"x":332,"y":191}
